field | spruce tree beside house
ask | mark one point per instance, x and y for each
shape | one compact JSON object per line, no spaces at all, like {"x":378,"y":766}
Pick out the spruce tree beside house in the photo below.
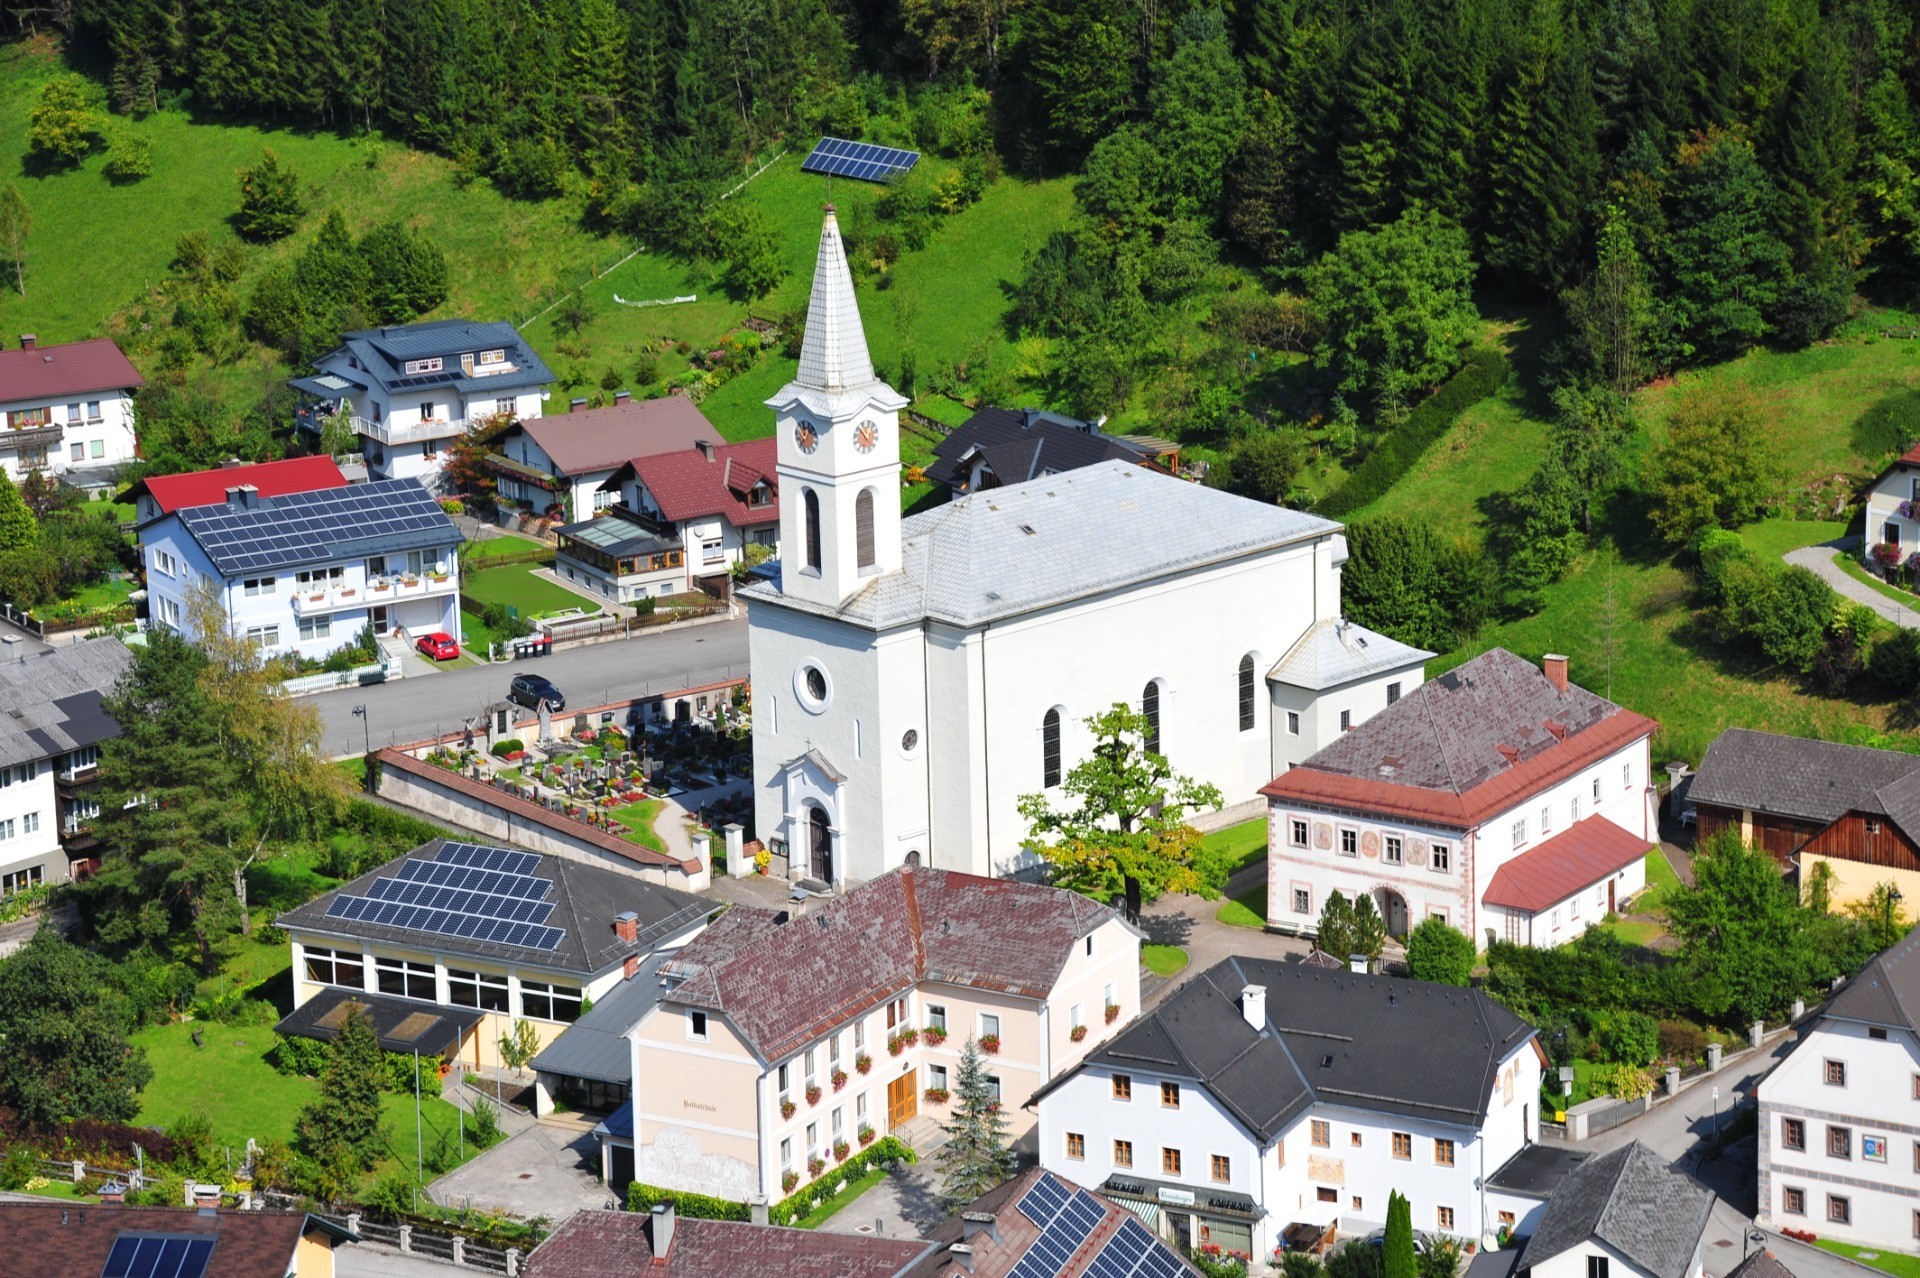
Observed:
{"x":975,"y":1157}
{"x":1398,"y":1258}
{"x":341,"y":1128}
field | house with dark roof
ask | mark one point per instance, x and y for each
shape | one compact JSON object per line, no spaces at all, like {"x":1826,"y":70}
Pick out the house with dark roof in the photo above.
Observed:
{"x":561,"y":463}
{"x":1623,"y":1214}
{"x":410,"y":390}
{"x":68,"y":410}
{"x":1000,"y":446}
{"x":1853,"y":809}
{"x":1839,"y":1116}
{"x":306,"y":572}
{"x":79,"y":1240}
{"x":1499,"y":797}
{"x":682,"y":518}
{"x":1263,"y":1097}
{"x":51,"y":728}
{"x":450,"y":946}
{"x":782,"y":1042}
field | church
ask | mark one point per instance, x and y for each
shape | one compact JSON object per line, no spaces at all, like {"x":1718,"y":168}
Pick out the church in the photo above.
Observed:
{"x":912,"y":678}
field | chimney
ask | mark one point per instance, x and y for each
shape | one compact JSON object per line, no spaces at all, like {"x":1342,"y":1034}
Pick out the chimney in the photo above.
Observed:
{"x":757,"y":1210}
{"x":1253,"y":1006}
{"x":975,"y":1223}
{"x":962,"y":1255}
{"x":1357,"y":963}
{"x":245,"y":497}
{"x":632,"y":966}
{"x":662,"y":1231}
{"x":621,"y":397}
{"x":28,"y":341}
{"x":575,"y":405}
{"x":627,"y":927}
{"x":1554,"y":666}
{"x":706,"y":448}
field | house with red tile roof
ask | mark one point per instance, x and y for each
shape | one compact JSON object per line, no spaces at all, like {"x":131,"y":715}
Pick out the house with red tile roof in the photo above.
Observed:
{"x":68,"y":410}
{"x":680,"y":516}
{"x":80,"y":1240}
{"x":563,"y":461}
{"x":163,"y":494}
{"x":782,"y":1043}
{"x":1498,"y":797}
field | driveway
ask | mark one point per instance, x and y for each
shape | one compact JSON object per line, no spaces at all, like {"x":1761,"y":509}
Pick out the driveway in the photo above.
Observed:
{"x":548,"y":1170}
{"x":1819,"y":560}
{"x":1189,"y":922}
{"x":597,"y":674}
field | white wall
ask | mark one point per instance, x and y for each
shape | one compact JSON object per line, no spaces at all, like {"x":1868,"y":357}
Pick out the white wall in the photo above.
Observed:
{"x":1572,"y":1263}
{"x":1319,"y":712}
{"x":1900,"y":484}
{"x":1879,"y":1100}
{"x":419,"y":459}
{"x":103,"y":428}
{"x":27,"y":799}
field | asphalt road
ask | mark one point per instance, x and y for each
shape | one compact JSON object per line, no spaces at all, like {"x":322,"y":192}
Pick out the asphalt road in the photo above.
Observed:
{"x":421,"y":705}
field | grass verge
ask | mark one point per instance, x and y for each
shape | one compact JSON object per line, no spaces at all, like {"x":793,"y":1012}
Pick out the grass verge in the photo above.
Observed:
{"x":638,"y":818}
{"x":1846,"y":563}
{"x":1163,"y":960}
{"x":1893,"y":1262}
{"x":854,"y":1188}
{"x":516,"y":586}
{"x":1249,"y":909}
{"x":1246,"y":843}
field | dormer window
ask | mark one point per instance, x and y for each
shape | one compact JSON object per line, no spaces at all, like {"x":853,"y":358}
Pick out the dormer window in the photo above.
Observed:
{"x":760,"y":494}
{"x":416,"y":366}
{"x":490,"y":357}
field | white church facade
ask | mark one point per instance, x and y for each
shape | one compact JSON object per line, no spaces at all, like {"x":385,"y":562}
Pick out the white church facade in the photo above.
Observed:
{"x":912,"y":678}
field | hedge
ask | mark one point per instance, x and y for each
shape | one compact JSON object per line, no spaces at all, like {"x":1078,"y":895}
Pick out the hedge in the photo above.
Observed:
{"x":308,"y":1056}
{"x":1484,"y":373}
{"x":884,"y":1152}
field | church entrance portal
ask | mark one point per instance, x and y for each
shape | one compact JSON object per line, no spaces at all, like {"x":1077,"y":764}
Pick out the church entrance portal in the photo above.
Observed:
{"x":821,"y":841}
{"x":1393,"y":908}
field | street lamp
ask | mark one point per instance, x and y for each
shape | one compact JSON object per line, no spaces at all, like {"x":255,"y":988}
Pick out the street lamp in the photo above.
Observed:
{"x":1893,"y":905}
{"x":1716,"y":1114}
{"x":366,"y":735}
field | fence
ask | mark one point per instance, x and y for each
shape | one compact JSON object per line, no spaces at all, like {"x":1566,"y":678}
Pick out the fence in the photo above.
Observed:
{"x":378,"y":672}
{"x":18,"y":617}
{"x":445,"y":1244}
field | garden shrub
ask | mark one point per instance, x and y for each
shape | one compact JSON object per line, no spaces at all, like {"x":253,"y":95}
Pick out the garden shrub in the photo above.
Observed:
{"x":485,"y":1132}
{"x":400,"y":1074}
{"x":300,"y":1056}
{"x":1484,"y":373}
{"x":511,"y":745}
{"x":1623,"y":1082}
{"x":685,"y":1203}
{"x":1624,"y":1037}
{"x":1437,"y":951}
{"x":1682,"y":1041}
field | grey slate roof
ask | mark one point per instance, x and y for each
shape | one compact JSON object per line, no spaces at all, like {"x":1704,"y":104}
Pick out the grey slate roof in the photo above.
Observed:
{"x":329,"y":524}
{"x":50,"y":704}
{"x":382,"y":353}
{"x":1633,"y":1201}
{"x":1808,"y":780}
{"x":586,"y":899}
{"x":1334,"y":652}
{"x":1019,"y":444}
{"x":401,"y":1023}
{"x":1886,"y":991}
{"x":1375,"y":1043}
{"x":1007,"y":551}
{"x":1761,"y":1264}
{"x":595,"y":1046}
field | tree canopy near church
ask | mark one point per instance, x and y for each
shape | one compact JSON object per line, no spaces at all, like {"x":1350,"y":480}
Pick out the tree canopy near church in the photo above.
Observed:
{"x":1125,"y":827}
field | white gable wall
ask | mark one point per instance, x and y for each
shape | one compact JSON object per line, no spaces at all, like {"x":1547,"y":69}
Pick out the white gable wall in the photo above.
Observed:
{"x":1886,"y":522}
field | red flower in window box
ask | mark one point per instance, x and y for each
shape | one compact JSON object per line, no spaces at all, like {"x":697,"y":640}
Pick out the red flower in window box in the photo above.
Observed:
{"x":1078,"y":1033}
{"x":935,"y":1036}
{"x":1113,"y":1013}
{"x":816,"y":1165}
{"x":786,"y":1108}
{"x":839,"y":1079}
{"x":788,"y":1180}
{"x":863,"y":1062}
{"x":813,"y":1093}
{"x":840,"y":1151}
{"x":937,"y":1095}
{"x":898,"y":1043}
{"x":990,"y":1044}
{"x":866,"y":1135}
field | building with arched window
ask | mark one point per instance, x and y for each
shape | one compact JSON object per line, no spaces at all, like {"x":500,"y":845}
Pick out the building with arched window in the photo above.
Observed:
{"x":913,"y":678}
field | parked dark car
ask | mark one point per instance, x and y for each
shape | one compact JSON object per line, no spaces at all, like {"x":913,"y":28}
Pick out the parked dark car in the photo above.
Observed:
{"x":530,"y":690}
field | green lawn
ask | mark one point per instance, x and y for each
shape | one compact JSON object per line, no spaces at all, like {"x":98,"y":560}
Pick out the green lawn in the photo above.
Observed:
{"x":1163,"y":960}
{"x":1246,"y":843}
{"x":638,"y":818}
{"x":1904,"y":1264}
{"x":1662,"y":882}
{"x":481,"y":553}
{"x":833,"y":1206}
{"x":516,"y":586}
{"x":1849,"y":563}
{"x":1249,"y":909}
{"x":99,"y":596}
{"x":1772,"y":538}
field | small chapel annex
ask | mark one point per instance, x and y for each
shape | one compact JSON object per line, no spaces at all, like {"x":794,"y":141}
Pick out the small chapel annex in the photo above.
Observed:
{"x":912,"y":678}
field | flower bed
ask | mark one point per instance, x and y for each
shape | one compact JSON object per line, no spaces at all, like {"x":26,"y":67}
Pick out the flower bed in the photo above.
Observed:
{"x":990,"y":1044}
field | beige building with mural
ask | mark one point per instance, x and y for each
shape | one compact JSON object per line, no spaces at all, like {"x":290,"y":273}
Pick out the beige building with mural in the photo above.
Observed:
{"x":453,"y":945}
{"x":783,"y":1043}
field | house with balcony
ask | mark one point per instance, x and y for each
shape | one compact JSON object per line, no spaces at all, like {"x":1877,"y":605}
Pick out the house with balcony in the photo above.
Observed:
{"x":304,"y":573}
{"x":410,"y":390}
{"x":67,"y":410}
{"x":1266,"y":1101}
{"x":1499,"y":798}
{"x":1839,"y":1126}
{"x":681,"y":517}
{"x":51,"y":729}
{"x":781,"y":1041}
{"x":1893,"y":515}
{"x":562,"y":463}
{"x":450,"y":946}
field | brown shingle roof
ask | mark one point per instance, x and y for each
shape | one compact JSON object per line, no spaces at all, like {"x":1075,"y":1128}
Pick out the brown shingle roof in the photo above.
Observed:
{"x":608,"y":1244}
{"x":75,"y":368}
{"x":996,"y":1253}
{"x":691,"y":485}
{"x":1465,"y":746}
{"x":608,"y":438}
{"x":65,"y":1240}
{"x":1576,"y":858}
{"x":796,"y":981}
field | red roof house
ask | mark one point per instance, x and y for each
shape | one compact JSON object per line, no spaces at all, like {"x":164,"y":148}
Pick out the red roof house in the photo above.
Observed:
{"x":43,"y":374}
{"x":164,"y":494}
{"x":734,"y":480}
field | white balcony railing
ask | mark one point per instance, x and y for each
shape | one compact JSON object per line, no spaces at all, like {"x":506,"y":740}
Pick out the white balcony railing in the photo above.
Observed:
{"x":412,"y":432}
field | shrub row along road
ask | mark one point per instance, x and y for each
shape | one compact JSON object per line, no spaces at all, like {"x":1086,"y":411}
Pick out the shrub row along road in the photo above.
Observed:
{"x":417,"y":707}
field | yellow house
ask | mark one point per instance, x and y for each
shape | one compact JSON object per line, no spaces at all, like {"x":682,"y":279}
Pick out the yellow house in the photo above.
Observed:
{"x":783,"y":1044}
{"x":451,"y":946}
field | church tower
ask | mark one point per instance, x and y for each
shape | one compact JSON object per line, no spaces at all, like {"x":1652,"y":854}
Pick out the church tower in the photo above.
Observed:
{"x":839,"y":448}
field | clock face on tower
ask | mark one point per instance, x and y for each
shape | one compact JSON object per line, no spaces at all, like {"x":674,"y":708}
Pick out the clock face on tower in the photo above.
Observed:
{"x":804,"y":435}
{"x":865,"y":436}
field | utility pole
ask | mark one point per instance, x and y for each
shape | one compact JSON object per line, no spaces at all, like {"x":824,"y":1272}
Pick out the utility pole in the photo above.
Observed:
{"x":419,"y":1140}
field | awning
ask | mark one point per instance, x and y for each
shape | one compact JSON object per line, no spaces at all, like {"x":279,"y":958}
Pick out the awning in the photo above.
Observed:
{"x":1127,"y":1190}
{"x":403,"y":1024}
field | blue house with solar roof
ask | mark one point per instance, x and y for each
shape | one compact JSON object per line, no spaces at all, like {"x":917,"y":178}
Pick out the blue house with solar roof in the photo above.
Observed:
{"x":302,"y":574}
{"x":412,"y":389}
{"x":447,"y":948}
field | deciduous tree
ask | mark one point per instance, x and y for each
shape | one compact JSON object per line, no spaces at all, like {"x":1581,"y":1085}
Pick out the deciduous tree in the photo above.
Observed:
{"x":1716,"y":467}
{"x":65,"y":1028}
{"x":65,"y":124}
{"x":1745,"y":941}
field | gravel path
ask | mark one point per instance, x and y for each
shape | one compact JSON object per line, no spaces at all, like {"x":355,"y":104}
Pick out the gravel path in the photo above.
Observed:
{"x":1819,"y":559}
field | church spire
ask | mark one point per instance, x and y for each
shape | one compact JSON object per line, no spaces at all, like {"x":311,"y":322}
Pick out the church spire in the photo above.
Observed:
{"x":833,"y":352}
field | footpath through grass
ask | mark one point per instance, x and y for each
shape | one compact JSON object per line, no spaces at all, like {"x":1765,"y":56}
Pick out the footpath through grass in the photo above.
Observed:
{"x":638,"y":818}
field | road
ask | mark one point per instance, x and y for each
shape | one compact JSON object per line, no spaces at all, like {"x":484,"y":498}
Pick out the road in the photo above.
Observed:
{"x":421,"y":705}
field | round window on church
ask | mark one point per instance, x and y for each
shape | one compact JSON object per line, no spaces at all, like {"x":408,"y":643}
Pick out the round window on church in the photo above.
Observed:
{"x":909,"y":741}
{"x":810,"y":681}
{"x":816,"y":684}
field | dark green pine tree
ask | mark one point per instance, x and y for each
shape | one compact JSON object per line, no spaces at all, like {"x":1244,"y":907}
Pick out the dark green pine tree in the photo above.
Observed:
{"x":1367,"y":156}
{"x":1655,"y":108}
{"x":332,"y":279}
{"x":18,"y":528}
{"x":358,"y":58}
{"x":1812,"y":159}
{"x":1397,"y":1259}
{"x":1542,"y":167}
{"x":595,"y":85}
{"x":1079,"y":57}
{"x":1260,"y":184}
{"x":975,"y":1157}
{"x":1446,"y":109}
{"x":341,"y":1127}
{"x":1725,"y":260}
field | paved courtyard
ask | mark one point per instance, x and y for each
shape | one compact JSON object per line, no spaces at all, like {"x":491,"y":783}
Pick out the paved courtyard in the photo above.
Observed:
{"x":547,"y":1170}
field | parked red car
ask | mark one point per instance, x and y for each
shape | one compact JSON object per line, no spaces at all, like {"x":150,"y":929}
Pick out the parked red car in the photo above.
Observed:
{"x":439,"y":645}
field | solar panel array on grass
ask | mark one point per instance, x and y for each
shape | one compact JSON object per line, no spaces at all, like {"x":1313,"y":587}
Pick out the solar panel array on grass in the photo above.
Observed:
{"x":473,"y":892}
{"x":146,"y":1256}
{"x":838,"y":157}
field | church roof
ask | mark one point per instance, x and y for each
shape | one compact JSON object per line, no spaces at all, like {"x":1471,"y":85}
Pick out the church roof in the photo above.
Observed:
{"x":836,"y":372}
{"x":1333,"y":652}
{"x":1049,"y":541}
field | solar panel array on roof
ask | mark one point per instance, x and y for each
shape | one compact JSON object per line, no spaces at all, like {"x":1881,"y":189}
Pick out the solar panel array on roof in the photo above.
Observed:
{"x":1134,"y":1253}
{"x":149,"y":1256}
{"x":301,"y":527}
{"x":838,"y":157}
{"x":1064,"y":1230}
{"x":469,"y":890}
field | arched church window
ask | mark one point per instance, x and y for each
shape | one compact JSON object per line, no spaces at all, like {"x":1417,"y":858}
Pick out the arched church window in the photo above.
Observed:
{"x":1050,"y":750}
{"x":1246,"y":693}
{"x":810,"y":505}
{"x":863,"y":527}
{"x":1150,"y":707}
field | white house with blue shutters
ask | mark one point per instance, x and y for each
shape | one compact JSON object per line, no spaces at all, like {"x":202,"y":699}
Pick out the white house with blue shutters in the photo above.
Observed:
{"x":302,"y":574}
